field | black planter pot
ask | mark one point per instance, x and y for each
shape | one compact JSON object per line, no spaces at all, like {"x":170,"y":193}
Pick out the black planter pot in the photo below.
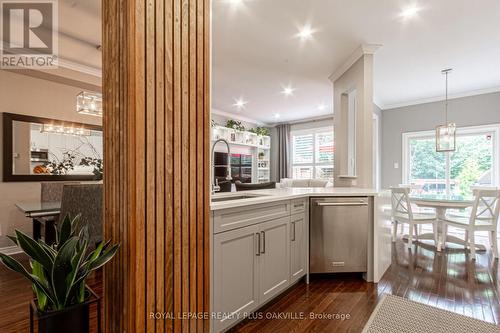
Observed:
{"x":75,"y":319}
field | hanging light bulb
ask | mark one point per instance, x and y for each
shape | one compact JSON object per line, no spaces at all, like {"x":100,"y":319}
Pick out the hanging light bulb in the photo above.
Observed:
{"x":446,"y":134}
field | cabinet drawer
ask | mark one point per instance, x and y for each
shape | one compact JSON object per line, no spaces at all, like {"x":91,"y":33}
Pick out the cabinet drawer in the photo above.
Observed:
{"x":233,"y":218}
{"x":298,"y":206}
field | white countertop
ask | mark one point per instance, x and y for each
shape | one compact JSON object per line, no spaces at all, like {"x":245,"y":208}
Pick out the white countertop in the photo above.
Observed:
{"x":265,"y":196}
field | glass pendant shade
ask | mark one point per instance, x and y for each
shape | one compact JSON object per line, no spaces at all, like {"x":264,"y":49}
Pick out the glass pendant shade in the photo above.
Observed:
{"x":446,"y":134}
{"x":446,"y":137}
{"x":89,"y":103}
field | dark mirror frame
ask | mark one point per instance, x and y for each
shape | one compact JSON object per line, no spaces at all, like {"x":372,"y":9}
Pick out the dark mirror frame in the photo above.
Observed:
{"x":8,"y":176}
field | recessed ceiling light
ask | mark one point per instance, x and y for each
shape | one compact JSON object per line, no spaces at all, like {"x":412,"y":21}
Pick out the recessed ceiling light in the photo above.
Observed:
{"x":240,"y":103}
{"x":321,"y":107}
{"x":410,"y":11}
{"x":305,"y":33}
{"x":288,"y":91}
{"x":276,"y":116}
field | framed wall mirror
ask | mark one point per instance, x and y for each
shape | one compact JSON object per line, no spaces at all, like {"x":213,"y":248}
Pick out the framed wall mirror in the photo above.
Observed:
{"x":43,"y":149}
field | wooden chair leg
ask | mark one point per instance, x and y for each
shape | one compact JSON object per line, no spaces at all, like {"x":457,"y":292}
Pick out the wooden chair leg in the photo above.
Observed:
{"x":436,"y":233}
{"x":410,"y":235}
{"x":495,"y":244}
{"x":394,"y":230}
{"x":472,"y":245}
{"x":444,"y":235}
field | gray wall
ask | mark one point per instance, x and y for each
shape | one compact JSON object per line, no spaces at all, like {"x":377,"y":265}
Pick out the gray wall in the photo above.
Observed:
{"x":466,"y":111}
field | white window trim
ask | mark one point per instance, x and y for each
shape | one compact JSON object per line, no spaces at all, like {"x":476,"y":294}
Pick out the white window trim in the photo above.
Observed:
{"x":314,"y":164}
{"x":495,"y":128}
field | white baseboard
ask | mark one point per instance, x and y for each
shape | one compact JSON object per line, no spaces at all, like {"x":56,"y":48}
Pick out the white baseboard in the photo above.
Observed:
{"x":10,"y":250}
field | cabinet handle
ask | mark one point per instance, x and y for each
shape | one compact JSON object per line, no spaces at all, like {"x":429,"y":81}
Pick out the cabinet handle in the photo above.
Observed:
{"x":263,"y":242}
{"x":342,"y":204}
{"x":258,"y":244}
{"x":298,"y":205}
{"x":293,"y":226}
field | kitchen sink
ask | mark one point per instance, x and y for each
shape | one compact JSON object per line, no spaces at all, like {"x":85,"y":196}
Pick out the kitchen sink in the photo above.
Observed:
{"x":235,"y":197}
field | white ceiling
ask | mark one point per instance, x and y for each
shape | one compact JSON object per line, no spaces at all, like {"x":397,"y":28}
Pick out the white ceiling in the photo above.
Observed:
{"x":80,"y":31}
{"x":255,"y":51}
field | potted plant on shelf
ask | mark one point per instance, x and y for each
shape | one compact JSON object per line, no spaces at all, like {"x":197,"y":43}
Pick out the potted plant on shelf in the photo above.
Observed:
{"x":238,"y":127}
{"x":58,"y":276}
{"x":261,"y":131}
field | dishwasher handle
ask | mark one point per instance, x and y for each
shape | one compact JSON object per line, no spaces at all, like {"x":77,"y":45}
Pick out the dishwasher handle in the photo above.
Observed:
{"x":361,"y":203}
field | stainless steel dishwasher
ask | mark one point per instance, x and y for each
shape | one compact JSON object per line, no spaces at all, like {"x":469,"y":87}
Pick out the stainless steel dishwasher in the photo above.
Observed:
{"x":339,"y":234}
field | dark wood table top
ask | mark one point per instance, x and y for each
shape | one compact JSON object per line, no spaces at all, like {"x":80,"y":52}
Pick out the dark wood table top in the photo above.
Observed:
{"x":39,"y":208}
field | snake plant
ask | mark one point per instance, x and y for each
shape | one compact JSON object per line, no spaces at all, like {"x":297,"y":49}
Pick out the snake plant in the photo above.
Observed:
{"x":59,"y":271}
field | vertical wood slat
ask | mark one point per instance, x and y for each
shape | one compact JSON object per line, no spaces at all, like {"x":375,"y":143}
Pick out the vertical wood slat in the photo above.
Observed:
{"x":156,"y":127}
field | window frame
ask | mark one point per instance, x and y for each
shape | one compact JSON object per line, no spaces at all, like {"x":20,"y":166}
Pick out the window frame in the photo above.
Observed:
{"x":314,"y":164}
{"x":465,"y":130}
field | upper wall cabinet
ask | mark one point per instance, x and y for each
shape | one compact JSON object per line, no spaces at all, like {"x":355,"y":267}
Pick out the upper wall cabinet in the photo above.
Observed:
{"x":42,"y":149}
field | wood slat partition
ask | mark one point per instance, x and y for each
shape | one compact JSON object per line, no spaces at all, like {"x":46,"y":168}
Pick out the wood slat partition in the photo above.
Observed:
{"x":156,"y":134}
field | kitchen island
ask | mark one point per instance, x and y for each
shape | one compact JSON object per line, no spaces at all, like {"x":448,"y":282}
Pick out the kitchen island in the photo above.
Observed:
{"x":260,"y":244}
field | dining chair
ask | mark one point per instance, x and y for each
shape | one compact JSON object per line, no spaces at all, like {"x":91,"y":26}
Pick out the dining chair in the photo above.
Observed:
{"x":52,"y":191}
{"x":402,"y":212}
{"x":483,"y":216}
{"x":86,"y":200}
{"x":49,"y":192}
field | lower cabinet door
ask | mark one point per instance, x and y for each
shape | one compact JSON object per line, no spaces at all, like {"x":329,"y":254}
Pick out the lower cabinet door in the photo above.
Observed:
{"x":298,"y":247}
{"x":274,"y":258}
{"x":236,"y":275}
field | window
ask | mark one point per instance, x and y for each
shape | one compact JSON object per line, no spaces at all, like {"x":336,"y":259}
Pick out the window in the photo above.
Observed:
{"x":474,"y":163}
{"x":312,"y":154}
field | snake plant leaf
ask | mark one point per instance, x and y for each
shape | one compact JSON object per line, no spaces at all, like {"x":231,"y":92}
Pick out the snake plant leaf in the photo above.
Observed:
{"x":38,"y":271}
{"x":61,"y":270}
{"x":75,"y":265}
{"x":14,"y":239}
{"x":17,"y":267}
{"x":104,"y":258}
{"x":78,"y":288}
{"x":75,"y":223}
{"x":65,"y":231}
{"x":94,"y":254}
{"x":49,"y":250}
{"x":34,"y":250}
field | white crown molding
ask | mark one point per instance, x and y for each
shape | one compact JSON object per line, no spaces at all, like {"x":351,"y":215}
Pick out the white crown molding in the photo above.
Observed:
{"x":384,"y":107}
{"x":74,"y":66}
{"x":71,"y":65}
{"x":355,"y":56}
{"x":238,"y":117}
{"x":308,"y":120}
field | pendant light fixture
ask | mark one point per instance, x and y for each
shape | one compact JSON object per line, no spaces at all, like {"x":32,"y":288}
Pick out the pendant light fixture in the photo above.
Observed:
{"x":89,"y":103}
{"x":445,"y":134}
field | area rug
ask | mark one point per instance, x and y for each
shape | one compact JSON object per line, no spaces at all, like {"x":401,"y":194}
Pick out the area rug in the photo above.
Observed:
{"x":394,"y":314}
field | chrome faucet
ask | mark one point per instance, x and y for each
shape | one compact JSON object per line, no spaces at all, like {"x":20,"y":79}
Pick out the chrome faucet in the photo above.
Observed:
{"x":215,"y":182}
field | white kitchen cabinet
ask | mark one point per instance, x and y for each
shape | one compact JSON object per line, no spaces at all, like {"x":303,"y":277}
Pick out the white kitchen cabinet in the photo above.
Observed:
{"x":274,"y":258}
{"x":236,"y":274}
{"x":298,"y":247}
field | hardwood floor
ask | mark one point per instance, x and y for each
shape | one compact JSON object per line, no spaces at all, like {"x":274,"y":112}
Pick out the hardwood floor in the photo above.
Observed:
{"x":447,"y":280}
{"x":16,"y":293}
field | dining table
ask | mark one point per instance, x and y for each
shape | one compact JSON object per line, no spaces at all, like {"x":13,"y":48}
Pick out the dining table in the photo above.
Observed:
{"x":442,"y":203}
{"x":43,"y":214}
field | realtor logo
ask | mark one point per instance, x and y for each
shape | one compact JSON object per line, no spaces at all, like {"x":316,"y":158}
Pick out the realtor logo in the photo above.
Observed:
{"x":29,"y":34}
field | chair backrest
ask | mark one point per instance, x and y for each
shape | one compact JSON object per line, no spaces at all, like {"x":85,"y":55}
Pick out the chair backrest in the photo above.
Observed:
{"x":86,"y":200}
{"x":249,"y":187}
{"x":400,"y":202}
{"x":52,"y":191}
{"x":486,"y":206}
